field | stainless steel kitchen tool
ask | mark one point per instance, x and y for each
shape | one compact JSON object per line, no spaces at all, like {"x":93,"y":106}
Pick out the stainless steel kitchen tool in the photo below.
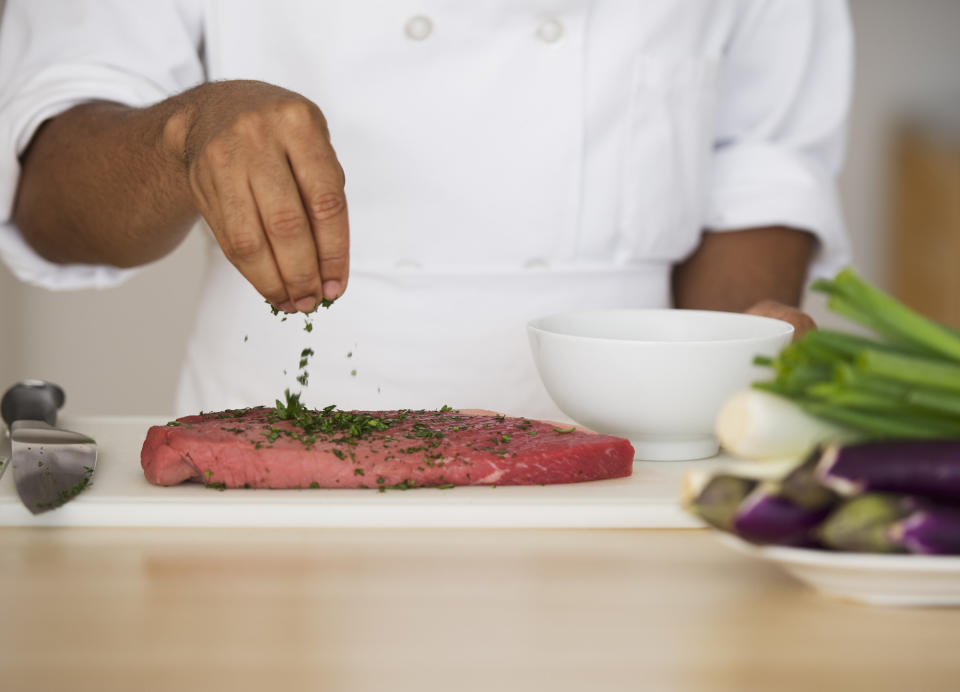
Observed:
{"x":51,"y":466}
{"x":4,"y":450}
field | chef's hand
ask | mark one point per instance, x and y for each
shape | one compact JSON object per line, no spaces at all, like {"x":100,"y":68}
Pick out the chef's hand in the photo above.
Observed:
{"x":801,"y":321}
{"x":265,"y":177}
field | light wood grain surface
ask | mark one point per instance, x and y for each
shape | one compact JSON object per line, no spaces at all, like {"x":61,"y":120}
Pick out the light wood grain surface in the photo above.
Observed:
{"x":153,"y":609}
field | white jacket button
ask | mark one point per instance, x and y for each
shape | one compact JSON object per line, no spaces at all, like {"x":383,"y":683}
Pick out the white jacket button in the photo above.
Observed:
{"x":418,"y":28}
{"x":406,"y":264}
{"x":535,"y":263}
{"x":550,"y":31}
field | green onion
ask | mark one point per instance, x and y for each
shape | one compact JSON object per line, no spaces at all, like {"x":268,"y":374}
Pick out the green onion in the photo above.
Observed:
{"x":902,"y":383}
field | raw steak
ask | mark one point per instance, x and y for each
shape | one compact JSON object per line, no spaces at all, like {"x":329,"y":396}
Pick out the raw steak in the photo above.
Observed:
{"x":256,"y":448}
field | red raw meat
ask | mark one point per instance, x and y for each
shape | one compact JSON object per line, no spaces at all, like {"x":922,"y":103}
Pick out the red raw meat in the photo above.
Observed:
{"x":252,"y":448}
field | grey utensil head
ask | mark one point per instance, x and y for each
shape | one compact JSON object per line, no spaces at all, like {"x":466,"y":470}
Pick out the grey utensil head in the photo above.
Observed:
{"x":4,"y":450}
{"x":50,"y":466}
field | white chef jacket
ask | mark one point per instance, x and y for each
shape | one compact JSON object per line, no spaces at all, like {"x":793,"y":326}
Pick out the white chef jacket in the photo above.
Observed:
{"x":505,"y":159}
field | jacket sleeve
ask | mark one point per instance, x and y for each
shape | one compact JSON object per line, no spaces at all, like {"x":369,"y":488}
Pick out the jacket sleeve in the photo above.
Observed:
{"x":55,"y":54}
{"x":782,"y":110}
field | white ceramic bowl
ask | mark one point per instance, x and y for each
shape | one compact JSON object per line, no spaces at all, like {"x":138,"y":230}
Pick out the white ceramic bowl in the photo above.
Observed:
{"x":657,"y":377}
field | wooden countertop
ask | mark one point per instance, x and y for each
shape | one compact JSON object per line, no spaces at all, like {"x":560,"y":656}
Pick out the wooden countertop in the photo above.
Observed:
{"x":453,"y":610}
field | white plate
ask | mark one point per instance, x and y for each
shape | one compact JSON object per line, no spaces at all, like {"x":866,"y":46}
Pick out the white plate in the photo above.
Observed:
{"x":898,"y":580}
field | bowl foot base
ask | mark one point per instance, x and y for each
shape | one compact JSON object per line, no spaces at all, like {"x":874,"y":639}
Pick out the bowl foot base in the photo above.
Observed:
{"x":675,"y":450}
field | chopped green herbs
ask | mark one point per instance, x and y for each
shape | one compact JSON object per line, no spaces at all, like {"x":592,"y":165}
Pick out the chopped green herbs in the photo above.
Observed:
{"x":290,"y":408}
{"x":65,"y":496}
{"x":565,"y":431}
{"x":339,"y":427}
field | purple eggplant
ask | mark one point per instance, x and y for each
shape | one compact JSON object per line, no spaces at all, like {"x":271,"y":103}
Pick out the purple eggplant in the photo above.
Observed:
{"x":929,"y":530}
{"x":862,"y":524}
{"x":802,"y":487}
{"x":782,"y":512}
{"x":715,"y":499}
{"x":787,"y":511}
{"x":767,"y":515}
{"x":915,"y":467}
{"x":891,"y":523}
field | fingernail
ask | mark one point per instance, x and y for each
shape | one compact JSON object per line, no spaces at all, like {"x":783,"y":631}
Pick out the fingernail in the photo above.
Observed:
{"x":307,"y":304}
{"x":287,"y":307}
{"x":332,"y":289}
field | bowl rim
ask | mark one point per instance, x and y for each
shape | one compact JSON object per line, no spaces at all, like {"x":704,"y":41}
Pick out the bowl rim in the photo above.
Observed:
{"x":787,"y":329}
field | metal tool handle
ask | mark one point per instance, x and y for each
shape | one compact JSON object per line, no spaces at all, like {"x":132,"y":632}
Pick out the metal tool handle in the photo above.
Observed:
{"x":32,"y":400}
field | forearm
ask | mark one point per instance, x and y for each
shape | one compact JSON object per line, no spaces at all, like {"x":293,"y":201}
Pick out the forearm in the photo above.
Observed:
{"x":101,"y":183}
{"x":735,"y":270}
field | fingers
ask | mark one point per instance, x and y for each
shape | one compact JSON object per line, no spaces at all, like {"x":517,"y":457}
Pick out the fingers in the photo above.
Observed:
{"x":245,"y":243}
{"x":288,"y":231}
{"x":320,"y":179}
{"x":270,"y":186}
{"x":801,"y":321}
{"x":225,"y":200}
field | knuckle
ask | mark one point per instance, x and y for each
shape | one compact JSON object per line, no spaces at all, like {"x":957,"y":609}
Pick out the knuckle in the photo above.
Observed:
{"x":249,"y":124}
{"x":298,"y":111}
{"x":303,"y":279}
{"x":327,"y":205}
{"x":218,"y":153}
{"x":334,"y":257}
{"x":286,"y":223}
{"x":244,"y":246}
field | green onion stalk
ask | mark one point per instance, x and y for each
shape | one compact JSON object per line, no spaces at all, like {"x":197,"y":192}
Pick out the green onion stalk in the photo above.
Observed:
{"x":903,"y":381}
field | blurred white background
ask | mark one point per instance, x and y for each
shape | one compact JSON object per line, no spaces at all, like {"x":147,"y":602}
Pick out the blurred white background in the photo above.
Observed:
{"x":119,"y":351}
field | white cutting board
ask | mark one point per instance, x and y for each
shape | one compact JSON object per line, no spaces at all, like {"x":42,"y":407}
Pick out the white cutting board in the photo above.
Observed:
{"x":120,"y":496}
